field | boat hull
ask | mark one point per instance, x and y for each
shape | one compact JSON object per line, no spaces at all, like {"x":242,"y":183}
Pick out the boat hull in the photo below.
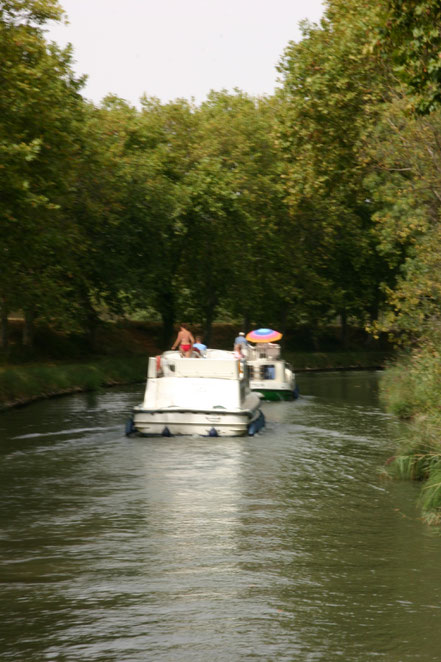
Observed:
{"x":202,"y":423}
{"x":207,"y":396}
{"x":275,"y":394}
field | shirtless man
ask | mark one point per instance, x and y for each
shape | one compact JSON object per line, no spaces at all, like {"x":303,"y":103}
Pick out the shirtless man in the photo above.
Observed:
{"x":185,"y":341}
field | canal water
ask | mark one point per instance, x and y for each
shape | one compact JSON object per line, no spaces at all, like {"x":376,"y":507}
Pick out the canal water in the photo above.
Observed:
{"x":288,"y":546}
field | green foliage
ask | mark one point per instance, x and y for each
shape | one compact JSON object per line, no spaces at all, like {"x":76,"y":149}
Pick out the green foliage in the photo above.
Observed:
{"x":318,"y":202}
{"x":404,"y":185}
{"x":186,"y":210}
{"x":158,"y":155}
{"x":431,"y":492}
{"x":21,"y":384}
{"x":413,"y":384}
{"x":412,"y":33}
{"x":412,"y":389}
{"x":28,"y":12}
{"x":39,"y":108}
{"x":415,"y":465}
{"x":333,"y":88}
{"x":397,"y":390}
{"x":421,"y":461}
{"x":234,"y":204}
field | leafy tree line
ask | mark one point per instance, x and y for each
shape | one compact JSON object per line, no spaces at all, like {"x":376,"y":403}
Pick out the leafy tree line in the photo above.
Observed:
{"x":319,"y":201}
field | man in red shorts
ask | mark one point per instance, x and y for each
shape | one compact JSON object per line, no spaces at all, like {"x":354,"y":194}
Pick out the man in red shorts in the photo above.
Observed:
{"x":185,"y":341}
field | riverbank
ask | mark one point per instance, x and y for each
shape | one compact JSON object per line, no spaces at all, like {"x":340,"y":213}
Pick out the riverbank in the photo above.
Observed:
{"x":22,"y":384}
{"x":411,"y":390}
{"x":61,"y":363}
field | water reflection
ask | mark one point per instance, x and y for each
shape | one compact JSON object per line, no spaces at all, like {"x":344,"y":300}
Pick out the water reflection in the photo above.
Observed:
{"x":285,"y":546}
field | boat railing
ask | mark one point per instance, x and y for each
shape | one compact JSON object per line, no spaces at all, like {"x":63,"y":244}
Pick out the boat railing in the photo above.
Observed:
{"x":269,"y":351}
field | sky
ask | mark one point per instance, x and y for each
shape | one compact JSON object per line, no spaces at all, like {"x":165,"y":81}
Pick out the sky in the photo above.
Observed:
{"x":180,"y":48}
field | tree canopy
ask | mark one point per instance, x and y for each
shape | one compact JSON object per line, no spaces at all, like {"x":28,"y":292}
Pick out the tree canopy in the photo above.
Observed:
{"x":317,"y":203}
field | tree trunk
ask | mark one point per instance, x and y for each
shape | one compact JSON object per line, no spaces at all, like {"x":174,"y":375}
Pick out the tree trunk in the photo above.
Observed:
{"x":209,"y":317}
{"x":92,"y":328}
{"x":28,"y":328}
{"x":344,"y":329}
{"x":166,"y":307}
{"x":4,"y":326}
{"x":315,"y":335}
{"x":246,"y":322}
{"x":208,"y":324}
{"x":374,"y":311}
{"x":282,"y":318}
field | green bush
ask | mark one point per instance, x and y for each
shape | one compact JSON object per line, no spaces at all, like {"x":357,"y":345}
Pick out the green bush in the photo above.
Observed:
{"x":22,"y":383}
{"x":411,"y":389}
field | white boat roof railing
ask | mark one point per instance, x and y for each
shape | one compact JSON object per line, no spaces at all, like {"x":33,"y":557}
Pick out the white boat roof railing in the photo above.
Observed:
{"x":270,"y":351}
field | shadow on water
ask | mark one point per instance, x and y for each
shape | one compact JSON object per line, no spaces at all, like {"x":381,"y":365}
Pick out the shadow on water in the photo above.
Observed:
{"x":285,"y":546}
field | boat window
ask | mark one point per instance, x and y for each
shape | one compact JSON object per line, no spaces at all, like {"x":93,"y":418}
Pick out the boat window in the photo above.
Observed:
{"x":269,"y":372}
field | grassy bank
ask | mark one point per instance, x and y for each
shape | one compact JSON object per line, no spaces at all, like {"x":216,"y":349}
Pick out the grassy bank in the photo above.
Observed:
{"x":411,"y":389}
{"x":22,"y":384}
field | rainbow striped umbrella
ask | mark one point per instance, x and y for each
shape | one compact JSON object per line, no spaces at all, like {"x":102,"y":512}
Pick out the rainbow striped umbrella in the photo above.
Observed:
{"x":263,"y":335}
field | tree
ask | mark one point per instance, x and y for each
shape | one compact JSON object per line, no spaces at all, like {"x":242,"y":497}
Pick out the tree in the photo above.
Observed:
{"x":37,"y":145}
{"x":406,"y":184}
{"x":237,"y":139}
{"x":96,"y":271}
{"x":411,"y":33}
{"x":159,"y":153}
{"x":213,"y":220}
{"x":333,"y":90}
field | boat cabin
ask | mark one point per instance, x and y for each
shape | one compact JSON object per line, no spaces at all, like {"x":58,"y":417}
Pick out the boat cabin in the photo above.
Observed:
{"x":219,"y":380}
{"x":264,"y":363}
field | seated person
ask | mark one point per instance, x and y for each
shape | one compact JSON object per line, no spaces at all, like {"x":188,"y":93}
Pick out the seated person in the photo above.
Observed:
{"x":198,"y":347}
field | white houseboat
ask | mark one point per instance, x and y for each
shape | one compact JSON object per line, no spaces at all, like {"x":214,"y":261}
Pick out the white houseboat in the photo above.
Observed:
{"x":208,"y":396}
{"x":269,"y":374}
